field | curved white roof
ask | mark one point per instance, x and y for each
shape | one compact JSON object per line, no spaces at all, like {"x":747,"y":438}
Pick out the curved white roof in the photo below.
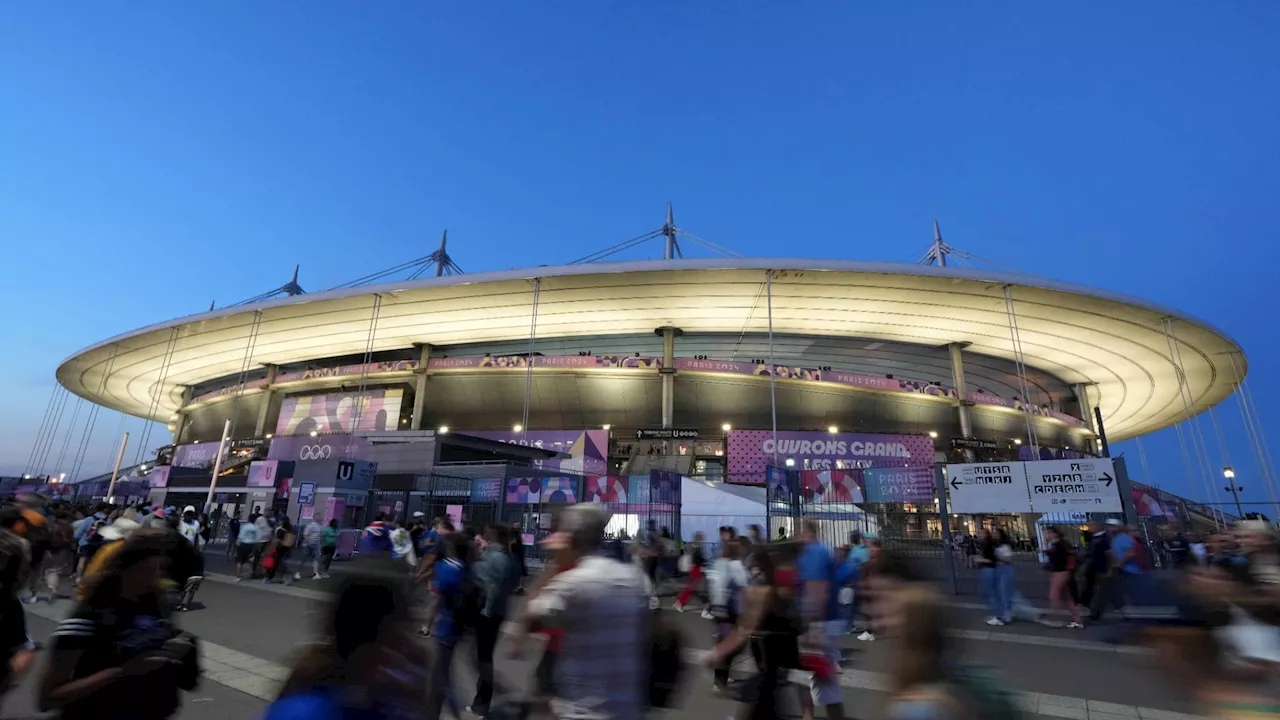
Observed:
{"x":1076,"y":333}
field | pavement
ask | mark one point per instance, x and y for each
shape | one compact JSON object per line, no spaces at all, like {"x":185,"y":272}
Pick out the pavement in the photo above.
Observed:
{"x":250,"y":632}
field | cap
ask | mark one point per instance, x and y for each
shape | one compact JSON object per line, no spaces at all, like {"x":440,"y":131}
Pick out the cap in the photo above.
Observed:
{"x":1114,"y":522}
{"x":188,"y":509}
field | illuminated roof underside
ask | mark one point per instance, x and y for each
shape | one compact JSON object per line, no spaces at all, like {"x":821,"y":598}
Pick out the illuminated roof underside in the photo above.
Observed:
{"x":1076,"y":333}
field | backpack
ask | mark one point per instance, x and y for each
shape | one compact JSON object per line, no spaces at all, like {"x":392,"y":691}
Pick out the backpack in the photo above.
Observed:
{"x":991,"y":697}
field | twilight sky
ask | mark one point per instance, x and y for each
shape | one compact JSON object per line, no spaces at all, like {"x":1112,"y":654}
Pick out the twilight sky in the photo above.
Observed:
{"x":155,"y":156}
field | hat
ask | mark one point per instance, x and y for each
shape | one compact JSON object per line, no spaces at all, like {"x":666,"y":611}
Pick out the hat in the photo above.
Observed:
{"x":158,"y":513}
{"x":118,"y":530}
{"x":1253,"y":526}
{"x":1114,"y":522}
{"x":188,"y":509}
{"x":419,"y":514}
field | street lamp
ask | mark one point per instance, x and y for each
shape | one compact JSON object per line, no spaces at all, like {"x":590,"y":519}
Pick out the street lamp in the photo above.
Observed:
{"x":1230,"y":475}
{"x":606,"y":427}
{"x":517,"y":428}
{"x":1017,"y":441}
{"x":833,"y":429}
{"x":726,"y":427}
{"x":444,"y":430}
{"x":933,"y":434}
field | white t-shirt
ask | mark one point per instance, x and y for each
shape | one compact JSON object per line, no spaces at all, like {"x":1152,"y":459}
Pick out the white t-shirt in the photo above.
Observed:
{"x":190,"y":531}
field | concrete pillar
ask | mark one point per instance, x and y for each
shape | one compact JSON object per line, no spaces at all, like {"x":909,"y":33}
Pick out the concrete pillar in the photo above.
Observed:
{"x":668,"y":372}
{"x":264,"y":410}
{"x":1081,"y":391}
{"x":420,"y":385}
{"x":180,"y":432}
{"x":962,"y":391}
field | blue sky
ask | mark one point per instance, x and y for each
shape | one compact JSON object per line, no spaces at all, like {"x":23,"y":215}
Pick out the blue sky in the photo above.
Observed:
{"x":155,"y":156}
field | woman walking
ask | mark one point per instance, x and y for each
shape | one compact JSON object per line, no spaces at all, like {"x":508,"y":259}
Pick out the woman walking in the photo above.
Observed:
{"x":1061,"y":563}
{"x":117,"y":657}
{"x":328,"y":546}
{"x":766,"y":615}
{"x":992,"y":593}
{"x":697,"y":570}
{"x":282,"y":544}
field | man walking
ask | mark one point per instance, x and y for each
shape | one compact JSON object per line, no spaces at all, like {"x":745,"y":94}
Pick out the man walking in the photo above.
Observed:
{"x":820,"y":603}
{"x":496,"y":578}
{"x":602,"y":607}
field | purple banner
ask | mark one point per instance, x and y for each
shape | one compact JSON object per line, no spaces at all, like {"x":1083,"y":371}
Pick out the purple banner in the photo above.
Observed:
{"x":899,"y":484}
{"x":751,"y":451}
{"x":159,"y":476}
{"x":545,"y":361}
{"x":262,"y":473}
{"x":196,"y":455}
{"x":340,"y":412}
{"x":787,"y":372}
{"x":588,"y":449}
{"x":321,"y":447}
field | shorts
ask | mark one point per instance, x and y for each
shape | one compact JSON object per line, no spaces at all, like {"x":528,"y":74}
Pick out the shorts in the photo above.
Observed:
{"x":245,"y":551}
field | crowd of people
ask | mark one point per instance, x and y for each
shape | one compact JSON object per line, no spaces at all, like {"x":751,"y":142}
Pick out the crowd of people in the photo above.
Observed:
{"x":425,"y":600}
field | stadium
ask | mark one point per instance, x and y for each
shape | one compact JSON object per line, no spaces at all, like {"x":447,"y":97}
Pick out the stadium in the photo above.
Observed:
{"x":713,"y":369}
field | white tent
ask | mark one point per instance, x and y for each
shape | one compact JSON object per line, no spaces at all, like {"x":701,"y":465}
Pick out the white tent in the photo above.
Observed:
{"x":706,"y":507}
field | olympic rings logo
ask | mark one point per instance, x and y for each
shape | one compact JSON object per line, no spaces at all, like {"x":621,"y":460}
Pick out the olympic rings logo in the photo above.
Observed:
{"x":315,"y":452}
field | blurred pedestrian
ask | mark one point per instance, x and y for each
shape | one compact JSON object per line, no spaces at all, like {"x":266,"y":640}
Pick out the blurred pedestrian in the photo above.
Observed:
{"x":1060,"y":564}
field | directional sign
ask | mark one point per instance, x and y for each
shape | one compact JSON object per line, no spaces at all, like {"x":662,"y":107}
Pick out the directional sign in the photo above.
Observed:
{"x":307,"y":493}
{"x":667,"y":434}
{"x":1084,"y":485}
{"x":988,"y":488}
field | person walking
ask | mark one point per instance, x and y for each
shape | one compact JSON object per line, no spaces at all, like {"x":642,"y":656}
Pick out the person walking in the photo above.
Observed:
{"x":990,"y":579}
{"x":602,"y":607}
{"x":496,"y":579}
{"x":312,"y":541}
{"x":17,"y":652}
{"x":283,"y":540}
{"x":450,"y":586}
{"x":117,"y":656}
{"x":328,"y":547}
{"x":517,"y":555}
{"x":364,"y":665}
{"x":1060,"y":564}
{"x":233,"y":534}
{"x":247,"y":548}
{"x":727,"y":581}
{"x":820,"y":605}
{"x":1097,"y":568}
{"x":697,"y":571}
{"x":193,"y":574}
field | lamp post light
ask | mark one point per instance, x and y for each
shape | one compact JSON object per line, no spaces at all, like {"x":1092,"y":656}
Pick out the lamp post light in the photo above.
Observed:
{"x":1230,"y":475}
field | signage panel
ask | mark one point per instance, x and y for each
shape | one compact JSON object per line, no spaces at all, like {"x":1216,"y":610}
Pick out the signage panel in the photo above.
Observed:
{"x":910,"y":485}
{"x":262,"y":473}
{"x":667,"y":434}
{"x":971,"y":444}
{"x":988,"y":488}
{"x":1086,"y":485}
{"x":307,"y":493}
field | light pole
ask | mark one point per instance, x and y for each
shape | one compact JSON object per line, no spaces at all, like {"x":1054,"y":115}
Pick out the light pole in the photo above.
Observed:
{"x":1230,"y":475}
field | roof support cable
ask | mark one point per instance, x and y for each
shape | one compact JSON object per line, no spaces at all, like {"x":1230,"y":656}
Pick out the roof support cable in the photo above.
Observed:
{"x":91,"y":422}
{"x":157,"y":392}
{"x":66,"y":438}
{"x":718,"y":249}
{"x":39,"y":468}
{"x":773,"y":384}
{"x":1199,"y":449}
{"x":746,"y":324}
{"x":370,"y":342}
{"x":1015,"y":337}
{"x":250,"y":344}
{"x":1252,"y":425}
{"x":528,"y":371}
{"x":615,"y":249}
{"x":1142,"y":458}
{"x":44,"y":422}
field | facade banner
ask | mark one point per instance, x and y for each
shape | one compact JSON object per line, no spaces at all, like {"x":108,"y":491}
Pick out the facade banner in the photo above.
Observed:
{"x":340,"y":412}
{"x":159,"y":476}
{"x":486,"y":490}
{"x":321,"y":447}
{"x":752,"y":451}
{"x":262,"y":473}
{"x":607,"y":489}
{"x":825,"y":487}
{"x":915,"y":485}
{"x":196,"y":455}
{"x":588,"y":449}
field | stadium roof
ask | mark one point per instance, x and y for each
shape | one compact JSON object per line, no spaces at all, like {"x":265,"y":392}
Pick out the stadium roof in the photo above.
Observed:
{"x":1079,"y":334}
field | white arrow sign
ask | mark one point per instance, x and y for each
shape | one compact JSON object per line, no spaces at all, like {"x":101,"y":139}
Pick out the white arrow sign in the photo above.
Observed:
{"x":988,"y":488}
{"x":1084,"y":485}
